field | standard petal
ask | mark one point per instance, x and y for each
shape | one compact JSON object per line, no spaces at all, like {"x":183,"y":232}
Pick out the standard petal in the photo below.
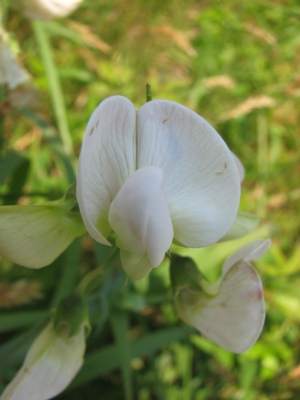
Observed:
{"x":201,"y":182}
{"x":242,"y":225}
{"x":34,"y":236}
{"x":140,"y":217}
{"x":107,"y":159}
{"x":137,"y":266}
{"x":234,"y":318}
{"x":240,"y":167}
{"x":49,"y":367}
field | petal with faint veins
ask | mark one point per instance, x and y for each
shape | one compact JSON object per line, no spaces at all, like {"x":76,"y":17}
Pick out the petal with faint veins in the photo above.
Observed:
{"x":107,"y":159}
{"x":140,"y":217}
{"x":250,"y":252}
{"x":34,"y":236}
{"x":201,"y":181}
{"x":234,"y":318}
{"x":49,"y":367}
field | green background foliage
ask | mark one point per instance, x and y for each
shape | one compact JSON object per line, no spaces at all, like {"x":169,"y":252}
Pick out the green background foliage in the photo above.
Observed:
{"x":237,"y":65}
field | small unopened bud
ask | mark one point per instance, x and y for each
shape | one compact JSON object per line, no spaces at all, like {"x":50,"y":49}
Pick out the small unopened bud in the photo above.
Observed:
{"x":55,"y":356}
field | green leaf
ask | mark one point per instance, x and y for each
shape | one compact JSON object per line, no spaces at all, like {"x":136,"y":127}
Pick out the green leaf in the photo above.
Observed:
{"x":120,"y":327}
{"x":104,"y":360}
{"x":18,"y":180}
{"x":8,"y":164}
{"x":16,"y":320}
{"x":70,"y":268}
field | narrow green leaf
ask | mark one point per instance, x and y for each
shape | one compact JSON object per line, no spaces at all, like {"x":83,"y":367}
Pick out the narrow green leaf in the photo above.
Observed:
{"x":17,"y":183}
{"x":106,"y":359}
{"x":69,"y":272}
{"x":55,"y":142}
{"x":17,"y":320}
{"x":55,"y":89}
{"x":120,"y":327}
{"x":8,"y":164}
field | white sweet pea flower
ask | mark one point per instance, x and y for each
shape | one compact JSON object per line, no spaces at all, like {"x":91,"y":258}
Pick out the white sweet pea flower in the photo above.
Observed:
{"x":231,"y":311}
{"x":53,"y":360}
{"x":34,"y":236}
{"x":240,"y":167}
{"x":48,"y":9}
{"x":153,"y":176}
{"x":11,"y":73}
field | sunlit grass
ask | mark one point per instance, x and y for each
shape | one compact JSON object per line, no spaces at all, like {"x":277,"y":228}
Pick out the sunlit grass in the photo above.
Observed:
{"x":237,"y":66}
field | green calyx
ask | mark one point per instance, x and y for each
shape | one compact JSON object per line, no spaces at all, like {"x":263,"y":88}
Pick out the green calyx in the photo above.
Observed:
{"x":184,"y":273}
{"x":148,"y":93}
{"x":71,"y":315}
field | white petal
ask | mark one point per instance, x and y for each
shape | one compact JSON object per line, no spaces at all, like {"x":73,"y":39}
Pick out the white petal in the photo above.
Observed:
{"x":201,"y":182}
{"x":107,"y":159}
{"x":240,"y":167}
{"x":235,"y":317}
{"x":49,"y":367}
{"x":137,"y":266}
{"x":250,"y":252}
{"x":140,"y":217}
{"x":47,"y":9}
{"x":11,"y":73}
{"x":242,"y":225}
{"x":34,"y":236}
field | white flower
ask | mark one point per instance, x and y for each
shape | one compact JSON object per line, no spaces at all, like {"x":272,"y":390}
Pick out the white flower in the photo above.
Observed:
{"x":34,"y":236}
{"x":11,"y":73}
{"x":48,"y":9}
{"x":53,"y":360}
{"x":231,"y":311}
{"x":153,"y":176}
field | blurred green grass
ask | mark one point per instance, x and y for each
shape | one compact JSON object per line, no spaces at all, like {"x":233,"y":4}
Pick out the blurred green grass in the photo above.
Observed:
{"x":237,"y":65}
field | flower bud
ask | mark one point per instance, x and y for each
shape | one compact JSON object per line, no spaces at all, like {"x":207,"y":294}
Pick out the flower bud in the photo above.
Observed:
{"x":55,"y":356}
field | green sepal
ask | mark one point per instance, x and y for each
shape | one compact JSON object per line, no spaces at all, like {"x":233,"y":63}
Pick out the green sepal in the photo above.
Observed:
{"x":71,"y":314}
{"x":184,"y":273}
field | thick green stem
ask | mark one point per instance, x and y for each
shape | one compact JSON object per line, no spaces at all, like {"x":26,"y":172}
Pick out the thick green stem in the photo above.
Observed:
{"x":56,"y":93}
{"x":91,"y":280}
{"x":148,"y":93}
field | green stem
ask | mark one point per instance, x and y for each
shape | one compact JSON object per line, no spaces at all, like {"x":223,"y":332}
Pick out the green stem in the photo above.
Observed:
{"x":90,"y":280}
{"x":148,"y":93}
{"x":3,"y":12}
{"x":56,"y":93}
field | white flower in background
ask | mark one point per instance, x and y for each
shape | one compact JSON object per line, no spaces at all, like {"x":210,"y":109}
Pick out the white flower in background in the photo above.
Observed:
{"x":48,"y":9}
{"x":11,"y":74}
{"x":53,"y":359}
{"x":153,"y":176}
{"x":34,"y":236}
{"x":231,"y":311}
